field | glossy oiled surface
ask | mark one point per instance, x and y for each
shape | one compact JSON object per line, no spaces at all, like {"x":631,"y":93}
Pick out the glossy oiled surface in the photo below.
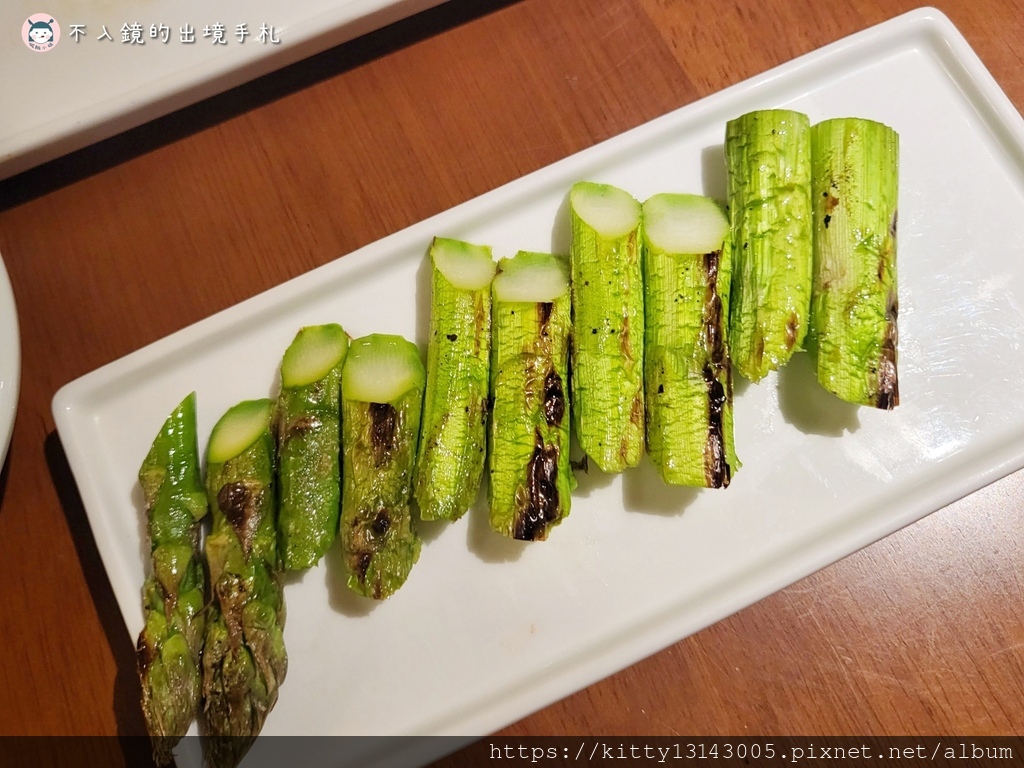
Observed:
{"x":123,"y":243}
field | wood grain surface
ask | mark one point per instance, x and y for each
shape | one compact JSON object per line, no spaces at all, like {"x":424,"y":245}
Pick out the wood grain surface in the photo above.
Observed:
{"x":127,"y":241}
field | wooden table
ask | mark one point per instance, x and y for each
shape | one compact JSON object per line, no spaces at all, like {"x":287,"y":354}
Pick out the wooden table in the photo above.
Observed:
{"x":127,"y":241}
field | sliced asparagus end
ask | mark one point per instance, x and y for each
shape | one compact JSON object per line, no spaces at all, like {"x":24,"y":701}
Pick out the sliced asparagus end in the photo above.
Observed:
{"x":466,"y":266}
{"x":314,"y":351}
{"x":608,"y":210}
{"x":380,"y":368}
{"x":237,"y":429}
{"x":531,"y":277}
{"x":678,"y":223}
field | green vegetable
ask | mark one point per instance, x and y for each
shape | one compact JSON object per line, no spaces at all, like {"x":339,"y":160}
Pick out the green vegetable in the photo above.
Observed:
{"x":244,"y":659}
{"x":768,"y":154}
{"x":687,"y":374}
{"x":608,"y":325}
{"x":530,"y":477}
{"x":855,"y":303}
{"x":308,"y":426}
{"x":451,"y":461}
{"x":170,"y":643}
{"x":382,"y":394}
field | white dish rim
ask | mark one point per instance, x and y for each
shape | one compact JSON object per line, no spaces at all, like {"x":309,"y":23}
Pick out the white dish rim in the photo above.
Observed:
{"x":1001,"y":115}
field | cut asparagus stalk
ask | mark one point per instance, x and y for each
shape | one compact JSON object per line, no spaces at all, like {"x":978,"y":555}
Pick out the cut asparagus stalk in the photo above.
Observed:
{"x":382,"y":395}
{"x":451,"y":461}
{"x":244,"y":658}
{"x":308,"y":426}
{"x":530,"y":477}
{"x":169,"y":645}
{"x":769,"y":165}
{"x":855,"y":301}
{"x":608,"y":325}
{"x":687,"y":373}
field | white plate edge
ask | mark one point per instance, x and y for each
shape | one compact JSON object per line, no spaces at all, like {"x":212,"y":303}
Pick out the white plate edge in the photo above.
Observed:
{"x":9,"y":395}
{"x":703,"y":612}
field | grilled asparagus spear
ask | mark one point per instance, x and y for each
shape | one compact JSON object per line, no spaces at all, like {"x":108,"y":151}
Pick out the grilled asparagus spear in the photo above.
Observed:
{"x":244,"y":658}
{"x":530,"y":477}
{"x":451,"y":461}
{"x":608,"y":325}
{"x":768,"y":154}
{"x":169,"y":645}
{"x":855,"y":302}
{"x":382,"y":395}
{"x":308,"y":423}
{"x":687,"y":375}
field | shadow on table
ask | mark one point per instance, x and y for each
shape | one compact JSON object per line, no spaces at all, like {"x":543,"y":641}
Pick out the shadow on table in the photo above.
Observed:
{"x":130,"y":723}
{"x":236,"y":101}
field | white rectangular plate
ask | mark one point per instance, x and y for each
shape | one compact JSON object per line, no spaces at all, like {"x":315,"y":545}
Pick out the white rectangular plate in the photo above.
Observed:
{"x":85,"y":88}
{"x":488,"y":630}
